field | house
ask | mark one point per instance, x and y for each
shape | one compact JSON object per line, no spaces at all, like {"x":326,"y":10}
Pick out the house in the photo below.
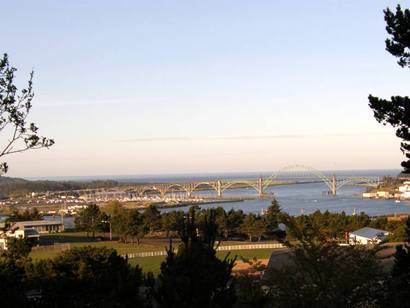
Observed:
{"x":369,"y":195}
{"x":366,"y":236}
{"x":41,"y":226}
{"x":383,"y":194}
{"x":405,"y":190}
{"x":30,"y":234}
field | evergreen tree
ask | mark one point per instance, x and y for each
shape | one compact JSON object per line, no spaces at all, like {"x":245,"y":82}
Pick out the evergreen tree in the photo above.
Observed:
{"x":273,"y":216}
{"x":90,"y":220}
{"x":253,"y":226}
{"x":396,"y":111}
{"x":194,"y":276}
{"x":152,"y":218}
{"x":399,"y":285}
{"x":85,"y":277}
{"x":135,"y":225}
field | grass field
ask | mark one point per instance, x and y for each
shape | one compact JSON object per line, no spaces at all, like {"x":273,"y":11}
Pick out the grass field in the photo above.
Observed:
{"x":62,"y":241}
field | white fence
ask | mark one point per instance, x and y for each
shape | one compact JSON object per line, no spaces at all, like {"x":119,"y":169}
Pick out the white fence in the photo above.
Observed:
{"x":220,"y":248}
{"x":250,"y":247}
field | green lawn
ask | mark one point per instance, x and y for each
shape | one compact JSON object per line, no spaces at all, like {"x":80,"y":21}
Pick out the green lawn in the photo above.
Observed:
{"x":148,"y":264}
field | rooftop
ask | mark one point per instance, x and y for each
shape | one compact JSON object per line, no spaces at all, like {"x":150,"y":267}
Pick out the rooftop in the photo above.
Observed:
{"x":37,"y":223}
{"x":370,"y":233}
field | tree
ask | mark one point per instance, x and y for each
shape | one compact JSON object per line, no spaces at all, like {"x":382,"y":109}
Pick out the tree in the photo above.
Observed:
{"x":222,"y":222}
{"x":119,"y":220}
{"x":85,"y":277}
{"x":195,"y":276}
{"x":320,"y":273}
{"x":90,"y":220}
{"x":135,"y":227}
{"x":399,"y":284}
{"x":12,"y":264}
{"x":234,"y":221}
{"x":273,"y":217}
{"x":172,"y":221}
{"x":253,"y":226}
{"x":15,"y":215}
{"x":152,"y":218}
{"x":17,"y":248}
{"x":396,"y":111}
{"x":15,"y":107}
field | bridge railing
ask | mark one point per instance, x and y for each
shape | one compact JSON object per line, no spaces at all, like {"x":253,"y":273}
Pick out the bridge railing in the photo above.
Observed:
{"x":220,"y":248}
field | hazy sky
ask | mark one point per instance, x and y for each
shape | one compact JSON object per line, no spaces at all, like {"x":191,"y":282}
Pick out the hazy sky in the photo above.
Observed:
{"x":145,"y":87}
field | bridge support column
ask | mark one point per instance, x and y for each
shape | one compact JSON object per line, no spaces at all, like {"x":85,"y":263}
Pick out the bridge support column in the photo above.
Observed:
{"x":260,"y":187}
{"x":334,"y":189}
{"x":219,"y":189}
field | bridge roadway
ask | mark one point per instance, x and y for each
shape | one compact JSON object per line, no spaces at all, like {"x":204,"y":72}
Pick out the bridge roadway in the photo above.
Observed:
{"x":260,"y":185}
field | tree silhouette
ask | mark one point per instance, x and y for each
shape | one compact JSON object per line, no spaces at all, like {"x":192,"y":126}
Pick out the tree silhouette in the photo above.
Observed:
{"x":15,"y":107}
{"x":399,"y":284}
{"x":194,"y":276}
{"x":396,"y":111}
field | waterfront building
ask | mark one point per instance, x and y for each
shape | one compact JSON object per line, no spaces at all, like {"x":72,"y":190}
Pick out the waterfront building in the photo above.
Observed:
{"x":383,"y":194}
{"x":366,"y":236}
{"x":369,"y":195}
{"x":405,"y":190}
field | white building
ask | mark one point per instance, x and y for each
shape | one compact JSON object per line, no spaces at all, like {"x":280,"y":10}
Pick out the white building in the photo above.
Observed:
{"x":405,"y":190}
{"x":366,"y":235}
{"x":30,"y":234}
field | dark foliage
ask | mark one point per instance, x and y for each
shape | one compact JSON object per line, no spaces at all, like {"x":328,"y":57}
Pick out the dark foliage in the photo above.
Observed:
{"x":24,"y":216}
{"x":194,"y":276}
{"x":399,"y":284}
{"x":323,"y":274}
{"x":85,"y":277}
{"x":91,"y":220}
{"x":396,"y":111}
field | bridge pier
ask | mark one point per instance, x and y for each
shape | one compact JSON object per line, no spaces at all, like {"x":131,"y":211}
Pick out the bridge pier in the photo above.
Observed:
{"x":260,"y":187}
{"x":219,"y":189}
{"x":334,"y":186}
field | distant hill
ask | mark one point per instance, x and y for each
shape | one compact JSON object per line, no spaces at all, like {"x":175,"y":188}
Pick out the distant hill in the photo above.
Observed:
{"x":4,"y":180}
{"x":17,"y":187}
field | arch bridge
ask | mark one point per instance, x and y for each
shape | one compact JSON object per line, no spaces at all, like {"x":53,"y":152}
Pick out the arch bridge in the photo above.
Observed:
{"x":283,"y":176}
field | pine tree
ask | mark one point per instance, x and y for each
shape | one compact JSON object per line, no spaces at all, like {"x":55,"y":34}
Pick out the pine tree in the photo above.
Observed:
{"x":396,"y":111}
{"x":399,"y":286}
{"x":194,"y":276}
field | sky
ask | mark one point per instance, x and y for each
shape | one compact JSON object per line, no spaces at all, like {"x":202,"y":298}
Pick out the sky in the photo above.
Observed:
{"x":158,"y":87}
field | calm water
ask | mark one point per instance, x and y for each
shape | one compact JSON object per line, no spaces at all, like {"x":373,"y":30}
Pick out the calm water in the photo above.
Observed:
{"x":308,"y":198}
{"x":293,"y":199}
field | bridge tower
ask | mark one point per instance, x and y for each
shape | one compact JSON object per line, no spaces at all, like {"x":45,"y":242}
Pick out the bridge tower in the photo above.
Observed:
{"x":260,"y":187}
{"x":219,"y":188}
{"x":334,"y":185}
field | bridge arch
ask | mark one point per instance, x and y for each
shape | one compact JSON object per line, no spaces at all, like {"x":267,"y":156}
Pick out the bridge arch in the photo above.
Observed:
{"x":150,"y":188}
{"x":208,"y":184}
{"x":357,"y":180}
{"x":328,"y":181}
{"x":248,"y":184}
{"x":174,"y":185}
